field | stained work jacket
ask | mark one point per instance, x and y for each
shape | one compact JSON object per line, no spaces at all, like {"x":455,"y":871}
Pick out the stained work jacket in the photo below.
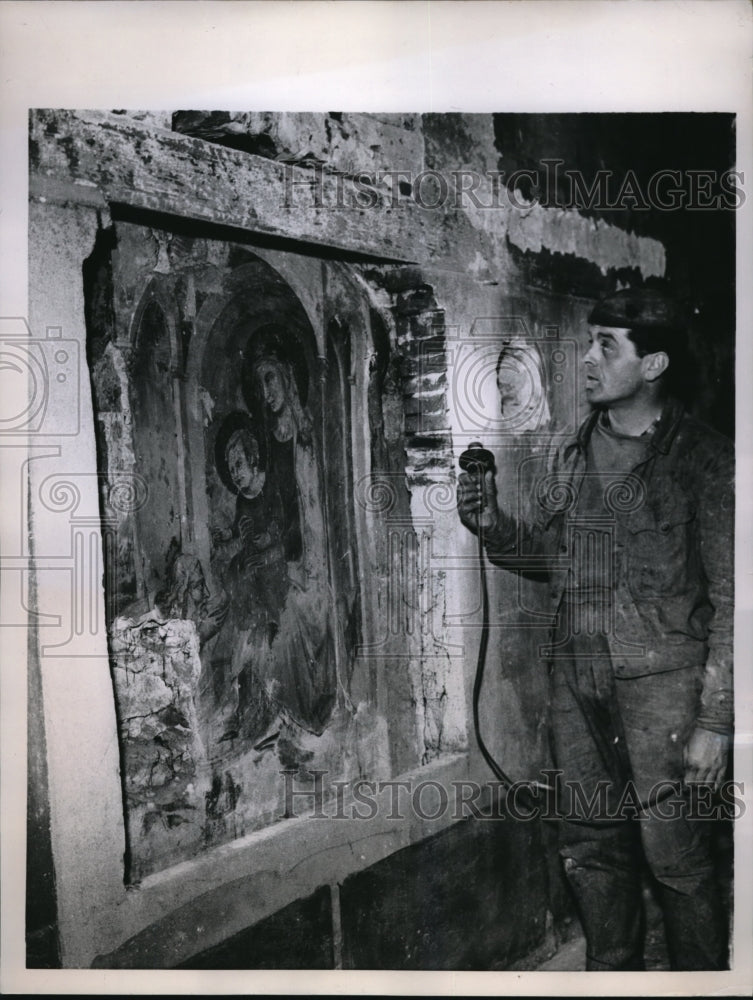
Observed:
{"x":672,"y":569}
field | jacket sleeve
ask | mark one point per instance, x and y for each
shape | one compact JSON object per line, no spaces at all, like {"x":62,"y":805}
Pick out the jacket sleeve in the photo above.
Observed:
{"x":518,"y":546}
{"x":716,"y":522}
{"x":523,"y":544}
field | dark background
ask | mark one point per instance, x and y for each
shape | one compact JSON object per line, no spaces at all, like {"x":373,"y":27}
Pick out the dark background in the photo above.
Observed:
{"x":700,"y":243}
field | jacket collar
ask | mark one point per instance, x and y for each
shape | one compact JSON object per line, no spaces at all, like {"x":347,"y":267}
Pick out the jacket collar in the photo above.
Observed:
{"x":661,"y":439}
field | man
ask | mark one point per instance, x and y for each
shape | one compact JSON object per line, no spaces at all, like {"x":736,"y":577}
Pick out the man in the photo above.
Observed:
{"x":633,"y":526}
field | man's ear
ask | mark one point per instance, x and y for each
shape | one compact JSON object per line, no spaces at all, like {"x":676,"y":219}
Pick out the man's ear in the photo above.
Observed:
{"x":654,"y":365}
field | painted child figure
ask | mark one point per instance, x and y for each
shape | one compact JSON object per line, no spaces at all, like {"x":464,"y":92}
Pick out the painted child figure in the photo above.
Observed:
{"x":256,"y":584}
{"x":257,"y":575}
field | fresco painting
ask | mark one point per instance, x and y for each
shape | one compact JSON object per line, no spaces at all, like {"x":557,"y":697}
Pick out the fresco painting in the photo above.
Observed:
{"x":229,"y":664}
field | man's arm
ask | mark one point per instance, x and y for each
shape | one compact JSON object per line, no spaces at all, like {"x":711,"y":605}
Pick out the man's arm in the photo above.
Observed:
{"x":706,"y":752}
{"x":507,"y":541}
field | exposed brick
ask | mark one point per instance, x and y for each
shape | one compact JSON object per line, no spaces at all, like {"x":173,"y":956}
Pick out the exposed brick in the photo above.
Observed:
{"x":425,"y":404}
{"x":429,"y":382}
{"x":416,"y":300}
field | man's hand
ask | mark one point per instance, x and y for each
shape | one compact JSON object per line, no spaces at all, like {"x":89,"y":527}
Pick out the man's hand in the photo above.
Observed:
{"x":705,"y":757}
{"x":477,"y":501}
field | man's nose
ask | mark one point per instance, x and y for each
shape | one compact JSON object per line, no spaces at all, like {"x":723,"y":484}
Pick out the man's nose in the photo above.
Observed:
{"x":588,"y":357}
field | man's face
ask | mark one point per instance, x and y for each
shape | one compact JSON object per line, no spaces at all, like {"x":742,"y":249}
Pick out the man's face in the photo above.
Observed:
{"x":614,"y":372}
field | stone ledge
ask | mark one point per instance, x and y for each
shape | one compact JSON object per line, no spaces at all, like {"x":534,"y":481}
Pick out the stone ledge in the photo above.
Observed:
{"x":98,"y":159}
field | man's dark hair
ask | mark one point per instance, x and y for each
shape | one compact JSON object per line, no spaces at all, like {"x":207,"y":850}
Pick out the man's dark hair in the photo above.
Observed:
{"x":673,"y":341}
{"x":656,"y":321}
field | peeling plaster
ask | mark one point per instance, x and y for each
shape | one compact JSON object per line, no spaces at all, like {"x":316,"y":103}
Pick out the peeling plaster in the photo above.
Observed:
{"x":536,"y":228}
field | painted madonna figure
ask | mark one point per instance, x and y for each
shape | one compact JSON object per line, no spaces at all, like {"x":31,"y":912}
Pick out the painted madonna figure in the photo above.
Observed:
{"x":302,"y":658}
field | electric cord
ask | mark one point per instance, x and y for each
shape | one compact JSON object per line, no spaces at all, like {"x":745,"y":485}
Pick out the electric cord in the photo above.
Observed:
{"x":478,"y":461}
{"x":481,"y":666}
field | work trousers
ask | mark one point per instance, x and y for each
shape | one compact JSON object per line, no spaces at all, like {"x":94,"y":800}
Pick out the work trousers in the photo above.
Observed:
{"x":628,"y":735}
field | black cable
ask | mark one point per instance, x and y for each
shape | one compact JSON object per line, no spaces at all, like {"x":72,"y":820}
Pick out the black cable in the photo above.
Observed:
{"x":481,"y":664}
{"x":477,"y":461}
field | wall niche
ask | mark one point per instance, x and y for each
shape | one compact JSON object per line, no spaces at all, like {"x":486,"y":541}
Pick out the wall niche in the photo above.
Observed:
{"x":226,"y":393}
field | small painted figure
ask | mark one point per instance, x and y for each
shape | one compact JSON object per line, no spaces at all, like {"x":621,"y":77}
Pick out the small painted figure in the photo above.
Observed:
{"x":257,"y":575}
{"x":256,"y":585}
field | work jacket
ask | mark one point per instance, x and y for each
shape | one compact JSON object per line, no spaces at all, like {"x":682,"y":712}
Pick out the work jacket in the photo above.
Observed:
{"x":672,"y":558}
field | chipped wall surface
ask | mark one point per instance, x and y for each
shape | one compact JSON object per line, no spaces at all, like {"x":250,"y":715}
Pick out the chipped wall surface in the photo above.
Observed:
{"x":347,"y":143}
{"x":327,"y":621}
{"x":156,"y":668}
